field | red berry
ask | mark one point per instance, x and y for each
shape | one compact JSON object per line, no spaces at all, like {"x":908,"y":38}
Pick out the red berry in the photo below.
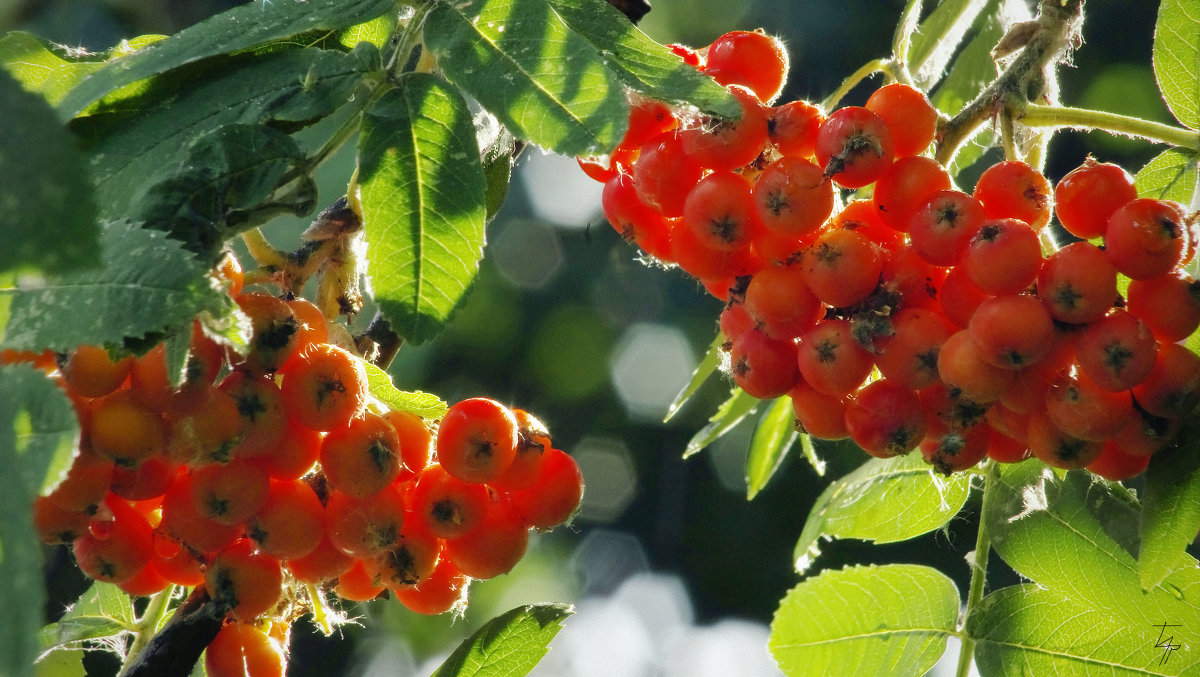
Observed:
{"x":905,"y":186}
{"x":943,"y":224}
{"x":1014,"y":190}
{"x":1089,"y":194}
{"x":792,"y":127}
{"x":792,"y":196}
{"x":854,"y":147}
{"x":1077,"y":283}
{"x":720,"y":211}
{"x":720,"y":143}
{"x":750,"y":58}
{"x":1004,"y":257}
{"x":885,"y":419}
{"x":909,"y":115}
{"x":1146,"y":238}
{"x":762,"y":366}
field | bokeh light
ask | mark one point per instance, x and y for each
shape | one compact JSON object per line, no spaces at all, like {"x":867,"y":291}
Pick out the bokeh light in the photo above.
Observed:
{"x":649,"y":365}
{"x":558,"y":190}
{"x":610,"y":475}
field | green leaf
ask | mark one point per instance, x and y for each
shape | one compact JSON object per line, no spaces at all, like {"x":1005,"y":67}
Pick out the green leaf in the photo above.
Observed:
{"x":709,"y":364}
{"x":810,"y":454}
{"x":729,"y":414}
{"x":41,"y":68}
{"x":910,"y":20}
{"x":103,"y":610}
{"x":1170,"y":511}
{"x":1171,"y":175}
{"x":498,"y":152}
{"x":643,"y":64}
{"x":1070,"y":533}
{"x":772,"y":438}
{"x":147,"y":284}
{"x":47,"y":214}
{"x":1046,"y":633}
{"x":421,"y":189}
{"x":285,"y":89}
{"x":422,"y":404}
{"x":244,"y":27}
{"x":939,"y":37}
{"x":229,"y":176}
{"x":865,"y":620}
{"x":1177,"y":58}
{"x":60,"y":664}
{"x":510,"y":57}
{"x":377,"y":31}
{"x":884,"y":500}
{"x":38,"y":433}
{"x":972,"y":69}
{"x":510,"y":644}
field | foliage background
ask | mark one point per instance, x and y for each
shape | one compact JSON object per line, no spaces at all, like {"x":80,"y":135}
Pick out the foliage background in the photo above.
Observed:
{"x":565,"y":323}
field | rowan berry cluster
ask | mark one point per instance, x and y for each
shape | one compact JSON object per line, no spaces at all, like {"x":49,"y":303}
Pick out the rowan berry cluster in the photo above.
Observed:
{"x":265,"y":471}
{"x":898,"y":310}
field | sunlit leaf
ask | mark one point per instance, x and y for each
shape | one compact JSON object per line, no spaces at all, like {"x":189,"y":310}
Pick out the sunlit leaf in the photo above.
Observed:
{"x":643,"y":64}
{"x":939,"y":36}
{"x":509,"y":644}
{"x":1046,"y":633}
{"x":542,"y":80}
{"x":425,"y":405}
{"x":706,"y":368}
{"x":865,"y":620}
{"x":1177,"y":58}
{"x":772,"y":438}
{"x":240,"y":28}
{"x":422,"y":190}
{"x":728,"y":415}
{"x":1170,"y":511}
{"x":1171,"y":175}
{"x":42,"y":68}
{"x":883,"y":500}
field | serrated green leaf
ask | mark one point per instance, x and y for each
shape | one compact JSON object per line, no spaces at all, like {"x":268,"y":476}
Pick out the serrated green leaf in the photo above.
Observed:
{"x":228,"y":178}
{"x":906,"y":27}
{"x":37,"y":435}
{"x":865,"y":620}
{"x":147,"y":284}
{"x":1170,"y":515}
{"x":1045,"y":633}
{"x":286,"y":89}
{"x":513,"y":57}
{"x":939,"y":36}
{"x":241,"y":28}
{"x":377,"y":31}
{"x":1069,"y":533}
{"x":884,"y":500}
{"x":422,"y":404}
{"x":60,"y":664}
{"x":643,"y":64}
{"x":1177,"y":58}
{"x":421,"y":188}
{"x":41,"y":68}
{"x":510,"y":644}
{"x":973,"y":67}
{"x":729,"y":414}
{"x":773,"y":437}
{"x":1171,"y":175}
{"x":706,"y":368}
{"x":47,"y":214}
{"x":103,"y":610}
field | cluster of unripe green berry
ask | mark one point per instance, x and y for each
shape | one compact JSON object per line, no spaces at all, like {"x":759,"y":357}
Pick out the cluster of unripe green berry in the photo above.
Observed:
{"x":265,"y":472}
{"x":898,"y":310}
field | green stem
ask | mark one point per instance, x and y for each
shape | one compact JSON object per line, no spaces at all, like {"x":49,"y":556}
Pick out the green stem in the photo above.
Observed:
{"x":1035,"y":115}
{"x":983,"y":547}
{"x":865,"y":71}
{"x":148,"y":624}
{"x":1008,"y":137}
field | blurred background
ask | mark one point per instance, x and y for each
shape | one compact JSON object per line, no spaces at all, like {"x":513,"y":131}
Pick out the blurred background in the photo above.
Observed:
{"x":671,"y":570}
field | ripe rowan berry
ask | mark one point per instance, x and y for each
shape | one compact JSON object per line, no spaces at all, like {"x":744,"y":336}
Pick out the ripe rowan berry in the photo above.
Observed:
{"x":360,"y":583}
{"x":242,"y":650}
{"x":56,"y":525}
{"x":1172,"y":388}
{"x":229,"y":493}
{"x":792,"y":128}
{"x":533,"y":443}
{"x":416,"y":441}
{"x":1080,"y":408}
{"x":1168,"y":304}
{"x":909,"y":356}
{"x":1011,"y":331}
{"x":91,"y":372}
{"x":1004,"y":257}
{"x":449,"y":506}
{"x":1013,"y":190}
{"x":959,"y":297}
{"x":274,"y":331}
{"x":830,"y":360}
{"x":365,"y":527}
{"x":243,"y":580}
{"x":943,"y":224}
{"x":477,"y":439}
{"x":445,"y":589}
{"x":720,"y":210}
{"x":905,"y":187}
{"x":779,"y":301}
{"x":326,"y":562}
{"x":707,"y":263}
{"x":494,"y":546}
{"x":854,"y":146}
{"x":819,"y":415}
{"x":412,"y":559}
{"x":85,"y":483}
{"x":116,"y":545}
{"x":1077,"y":283}
{"x":910,"y":117}
{"x":1056,"y":448}
{"x":555,"y":495}
{"x":954,"y":450}
{"x":290,"y":522}
{"x":792,"y":197}
{"x":183,"y":521}
{"x":1117,"y":351}
{"x":664,"y":173}
{"x":632,"y":219}
{"x":862,"y":217}
{"x":1089,"y":194}
{"x":762,"y":366}
{"x":725,"y":144}
{"x":263,"y":411}
{"x":885,"y":419}
{"x":961,"y":365}
{"x":125,"y":431}
{"x":294,"y":455}
{"x":1116,"y":465}
{"x":750,"y":58}
{"x":324,"y":387}
{"x":311,"y":327}
{"x":150,"y":479}
{"x":362,"y":458}
{"x":842,"y":267}
{"x":647,"y":119}
{"x":1146,"y":238}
